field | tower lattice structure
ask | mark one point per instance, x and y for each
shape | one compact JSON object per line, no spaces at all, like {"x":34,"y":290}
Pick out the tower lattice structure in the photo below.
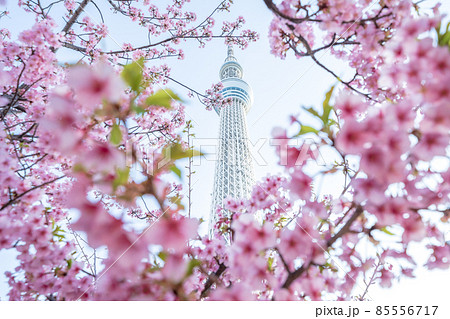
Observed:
{"x":234,"y":175}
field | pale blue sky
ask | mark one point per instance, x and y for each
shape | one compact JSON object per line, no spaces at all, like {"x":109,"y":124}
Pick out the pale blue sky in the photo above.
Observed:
{"x":279,"y":87}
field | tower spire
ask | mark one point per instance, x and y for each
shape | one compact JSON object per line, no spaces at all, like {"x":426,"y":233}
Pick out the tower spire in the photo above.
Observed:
{"x":231,"y":68}
{"x":230,"y":55}
{"x":234,"y":170}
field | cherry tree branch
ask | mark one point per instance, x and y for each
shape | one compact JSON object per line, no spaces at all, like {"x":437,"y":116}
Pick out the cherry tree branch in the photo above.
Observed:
{"x":272,"y":7}
{"x":334,"y":42}
{"x":75,"y":16}
{"x":372,"y":279}
{"x":212,"y":278}
{"x":11,"y":201}
{"x":292,"y":276}
{"x":311,"y":53}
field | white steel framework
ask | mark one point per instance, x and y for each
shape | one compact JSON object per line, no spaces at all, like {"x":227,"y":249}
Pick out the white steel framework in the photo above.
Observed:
{"x":234,"y":170}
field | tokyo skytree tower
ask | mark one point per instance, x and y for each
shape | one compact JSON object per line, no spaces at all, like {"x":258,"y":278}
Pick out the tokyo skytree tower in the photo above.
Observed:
{"x":234,"y":169}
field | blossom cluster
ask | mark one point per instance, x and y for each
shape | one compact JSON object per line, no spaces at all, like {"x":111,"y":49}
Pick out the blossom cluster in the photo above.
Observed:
{"x":358,"y":32}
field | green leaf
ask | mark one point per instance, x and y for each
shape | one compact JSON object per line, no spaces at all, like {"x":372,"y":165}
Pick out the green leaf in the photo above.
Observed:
{"x":307,"y":129}
{"x":176,"y":200}
{"x":138,"y":109}
{"x":163,"y":256}
{"x":116,"y":135}
{"x":444,"y":37}
{"x":270,"y":263}
{"x":176,"y":151}
{"x":332,"y":122}
{"x":327,"y":107}
{"x":58,"y":232}
{"x":445,"y":40}
{"x":56,"y":270}
{"x":192,"y":264}
{"x":176,"y":170}
{"x":121,"y":177}
{"x":162,"y":98}
{"x":384,"y":230}
{"x":312,"y":111}
{"x":78,"y":167}
{"x":132,"y":74}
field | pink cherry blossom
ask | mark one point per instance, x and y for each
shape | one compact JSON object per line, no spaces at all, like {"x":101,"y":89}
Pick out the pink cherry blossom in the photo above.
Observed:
{"x":300,"y":185}
{"x":172,"y":232}
{"x":92,"y":85}
{"x":350,"y":106}
{"x":352,"y":137}
{"x":430,"y":145}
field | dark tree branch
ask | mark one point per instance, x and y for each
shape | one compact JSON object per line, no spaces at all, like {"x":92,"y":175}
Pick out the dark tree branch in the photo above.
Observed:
{"x":345,"y":229}
{"x":12,"y":200}
{"x":213,"y":278}
{"x":272,"y":7}
{"x":75,"y":16}
{"x":337,"y":40}
{"x":358,"y":211}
